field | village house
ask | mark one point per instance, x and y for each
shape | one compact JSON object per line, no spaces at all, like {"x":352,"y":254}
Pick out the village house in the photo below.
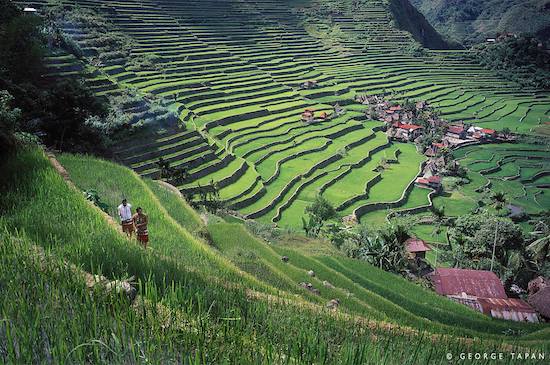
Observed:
{"x":457,"y":131}
{"x":308,"y":115}
{"x":408,"y":131}
{"x":338,"y":110}
{"x":435,"y":148}
{"x":431,"y":168}
{"x":309,"y":84}
{"x":431,"y":151}
{"x":431,"y":182}
{"x":482,"y":134}
{"x":416,"y":248}
{"x":488,"y":134}
{"x":483,"y":291}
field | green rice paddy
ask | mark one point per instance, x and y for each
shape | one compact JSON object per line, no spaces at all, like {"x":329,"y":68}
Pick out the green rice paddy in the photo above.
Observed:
{"x":234,"y":71}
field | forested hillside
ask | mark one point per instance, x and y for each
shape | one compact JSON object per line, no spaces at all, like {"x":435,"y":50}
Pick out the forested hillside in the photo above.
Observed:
{"x":471,"y":21}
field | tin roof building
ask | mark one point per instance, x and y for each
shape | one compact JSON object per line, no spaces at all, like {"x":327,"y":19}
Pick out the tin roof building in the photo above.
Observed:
{"x":483,"y":291}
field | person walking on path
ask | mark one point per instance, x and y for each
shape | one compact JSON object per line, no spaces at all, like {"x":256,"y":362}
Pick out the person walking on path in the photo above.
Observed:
{"x":125,"y":214}
{"x":141,"y":220}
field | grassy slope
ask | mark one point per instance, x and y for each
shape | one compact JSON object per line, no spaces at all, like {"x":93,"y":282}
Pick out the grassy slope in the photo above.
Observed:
{"x":361,"y":288}
{"x":194,"y":301}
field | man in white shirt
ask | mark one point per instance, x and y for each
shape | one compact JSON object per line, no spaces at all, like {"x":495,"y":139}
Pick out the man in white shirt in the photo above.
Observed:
{"x":125,"y":214}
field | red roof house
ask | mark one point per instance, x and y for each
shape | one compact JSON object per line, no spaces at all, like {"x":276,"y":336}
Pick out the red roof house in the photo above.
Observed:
{"x":483,"y":291}
{"x":478,"y":283}
{"x":433,"y":182}
{"x":488,"y":133}
{"x":416,"y":247}
{"x":457,"y":131}
{"x":409,"y":127}
{"x":409,"y":131}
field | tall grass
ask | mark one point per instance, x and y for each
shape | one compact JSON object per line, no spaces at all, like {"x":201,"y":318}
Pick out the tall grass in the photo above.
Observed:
{"x":182,"y":314}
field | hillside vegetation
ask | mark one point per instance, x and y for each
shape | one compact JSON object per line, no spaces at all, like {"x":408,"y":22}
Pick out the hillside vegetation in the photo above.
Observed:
{"x":197,"y":302}
{"x":471,"y":21}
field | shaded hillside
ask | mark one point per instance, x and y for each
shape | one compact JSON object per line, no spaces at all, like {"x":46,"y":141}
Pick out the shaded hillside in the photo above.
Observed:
{"x":470,"y":21}
{"x":410,"y":19}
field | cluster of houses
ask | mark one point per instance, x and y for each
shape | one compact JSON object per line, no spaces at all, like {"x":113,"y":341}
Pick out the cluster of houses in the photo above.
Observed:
{"x":483,"y":291}
{"x":403,"y":124}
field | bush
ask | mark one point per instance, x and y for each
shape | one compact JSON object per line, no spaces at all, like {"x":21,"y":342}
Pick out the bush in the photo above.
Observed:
{"x":9,"y":124}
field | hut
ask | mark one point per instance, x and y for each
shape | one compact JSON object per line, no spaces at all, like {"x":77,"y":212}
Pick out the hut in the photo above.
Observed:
{"x":416,"y":248}
{"x":308,"y":115}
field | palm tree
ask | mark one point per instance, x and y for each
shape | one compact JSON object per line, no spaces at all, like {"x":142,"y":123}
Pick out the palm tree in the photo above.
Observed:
{"x":540,"y":247}
{"x":499,"y":199}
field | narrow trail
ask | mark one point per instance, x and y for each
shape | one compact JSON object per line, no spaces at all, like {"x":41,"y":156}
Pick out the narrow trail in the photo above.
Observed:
{"x":65,"y":175}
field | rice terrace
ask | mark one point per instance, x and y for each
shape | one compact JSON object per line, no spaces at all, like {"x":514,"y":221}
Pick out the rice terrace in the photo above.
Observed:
{"x":274,"y":181}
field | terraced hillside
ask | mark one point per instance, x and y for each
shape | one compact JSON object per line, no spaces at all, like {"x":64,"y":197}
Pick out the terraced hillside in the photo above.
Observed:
{"x":233,"y":70}
{"x":231,"y":300}
{"x":520,"y":171}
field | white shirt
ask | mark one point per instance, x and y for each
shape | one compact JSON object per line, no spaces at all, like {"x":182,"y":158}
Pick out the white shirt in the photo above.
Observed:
{"x":125,"y":212}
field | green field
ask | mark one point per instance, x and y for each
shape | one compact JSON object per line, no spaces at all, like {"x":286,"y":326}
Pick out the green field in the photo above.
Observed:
{"x":518,"y":170}
{"x":228,"y":297}
{"x":233,"y":72}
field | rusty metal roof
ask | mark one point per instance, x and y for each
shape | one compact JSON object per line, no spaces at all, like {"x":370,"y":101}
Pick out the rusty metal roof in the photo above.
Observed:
{"x":510,"y":309}
{"x":416,"y":245}
{"x":509,"y":304}
{"x":479,"y":283}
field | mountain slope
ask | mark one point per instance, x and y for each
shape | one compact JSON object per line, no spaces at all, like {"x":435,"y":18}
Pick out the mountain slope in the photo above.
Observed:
{"x":470,"y":21}
{"x":410,"y":19}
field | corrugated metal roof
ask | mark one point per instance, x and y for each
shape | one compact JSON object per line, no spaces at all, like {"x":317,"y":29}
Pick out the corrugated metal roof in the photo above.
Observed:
{"x":511,"y":304}
{"x":479,"y":283}
{"x":510,"y":309}
{"x":416,"y":245}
